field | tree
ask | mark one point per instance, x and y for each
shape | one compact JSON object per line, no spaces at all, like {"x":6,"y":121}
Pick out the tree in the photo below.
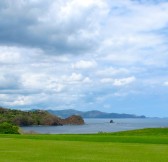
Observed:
{"x":7,"y":128}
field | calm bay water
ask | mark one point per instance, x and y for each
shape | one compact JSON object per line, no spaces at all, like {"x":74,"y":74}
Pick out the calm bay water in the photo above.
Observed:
{"x":100,"y":125}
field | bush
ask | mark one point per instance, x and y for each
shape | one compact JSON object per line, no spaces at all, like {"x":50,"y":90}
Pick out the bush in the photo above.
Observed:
{"x":7,"y":128}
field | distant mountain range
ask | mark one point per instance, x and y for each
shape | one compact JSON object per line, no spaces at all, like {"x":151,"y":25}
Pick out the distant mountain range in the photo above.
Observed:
{"x":91,"y":114}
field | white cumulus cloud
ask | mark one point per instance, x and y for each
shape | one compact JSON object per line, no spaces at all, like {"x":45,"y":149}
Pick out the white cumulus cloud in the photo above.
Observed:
{"x":118,"y":82}
{"x":123,"y":81}
{"x":83,"y":64}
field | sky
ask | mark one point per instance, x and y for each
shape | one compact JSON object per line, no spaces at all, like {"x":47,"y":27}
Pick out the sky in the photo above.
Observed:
{"x":107,"y":55}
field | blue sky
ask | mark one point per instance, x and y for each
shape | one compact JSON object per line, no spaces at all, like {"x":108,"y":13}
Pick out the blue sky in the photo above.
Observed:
{"x":95,"y":54}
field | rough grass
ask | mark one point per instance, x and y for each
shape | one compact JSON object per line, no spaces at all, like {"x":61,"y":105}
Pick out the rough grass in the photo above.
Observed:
{"x":144,"y":132}
{"x":150,"y":146}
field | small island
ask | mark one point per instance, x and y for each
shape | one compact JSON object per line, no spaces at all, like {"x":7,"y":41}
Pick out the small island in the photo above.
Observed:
{"x":111,"y":121}
{"x":36,"y":117}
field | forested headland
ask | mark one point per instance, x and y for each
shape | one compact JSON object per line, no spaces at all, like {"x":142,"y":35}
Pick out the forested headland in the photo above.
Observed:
{"x":36,"y":117}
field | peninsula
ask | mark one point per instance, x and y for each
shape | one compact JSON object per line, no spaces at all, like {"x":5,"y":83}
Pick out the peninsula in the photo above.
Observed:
{"x":36,"y":117}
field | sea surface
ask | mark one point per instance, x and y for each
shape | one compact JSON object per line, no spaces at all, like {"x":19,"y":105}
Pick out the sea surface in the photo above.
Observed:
{"x":100,"y":125}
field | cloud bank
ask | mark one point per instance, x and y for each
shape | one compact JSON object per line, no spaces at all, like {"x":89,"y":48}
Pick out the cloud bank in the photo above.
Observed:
{"x":105,"y":55}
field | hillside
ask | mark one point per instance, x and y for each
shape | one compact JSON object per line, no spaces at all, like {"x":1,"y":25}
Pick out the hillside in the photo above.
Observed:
{"x":36,"y":117}
{"x":91,"y":114}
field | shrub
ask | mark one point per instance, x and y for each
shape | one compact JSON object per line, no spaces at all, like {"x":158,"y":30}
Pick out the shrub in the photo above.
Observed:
{"x":7,"y":128}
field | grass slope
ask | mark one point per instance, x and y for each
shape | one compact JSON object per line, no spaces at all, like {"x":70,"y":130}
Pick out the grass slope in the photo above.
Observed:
{"x":148,"y":145}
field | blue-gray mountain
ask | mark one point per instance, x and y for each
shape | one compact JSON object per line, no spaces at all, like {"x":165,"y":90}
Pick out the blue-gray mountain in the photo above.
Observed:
{"x":92,"y":114}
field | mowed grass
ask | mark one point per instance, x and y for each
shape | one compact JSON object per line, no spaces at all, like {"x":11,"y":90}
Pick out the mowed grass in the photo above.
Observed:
{"x":138,"y":146}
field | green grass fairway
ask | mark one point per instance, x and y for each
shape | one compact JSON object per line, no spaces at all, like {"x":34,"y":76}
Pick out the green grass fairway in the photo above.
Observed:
{"x":142,"y":146}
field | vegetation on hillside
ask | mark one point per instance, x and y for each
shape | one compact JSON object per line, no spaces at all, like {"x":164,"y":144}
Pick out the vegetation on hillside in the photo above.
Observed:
{"x":35,"y":117}
{"x":7,"y":128}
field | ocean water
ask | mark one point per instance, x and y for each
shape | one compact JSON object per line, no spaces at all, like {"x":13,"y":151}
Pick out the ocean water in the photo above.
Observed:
{"x":100,"y":125}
